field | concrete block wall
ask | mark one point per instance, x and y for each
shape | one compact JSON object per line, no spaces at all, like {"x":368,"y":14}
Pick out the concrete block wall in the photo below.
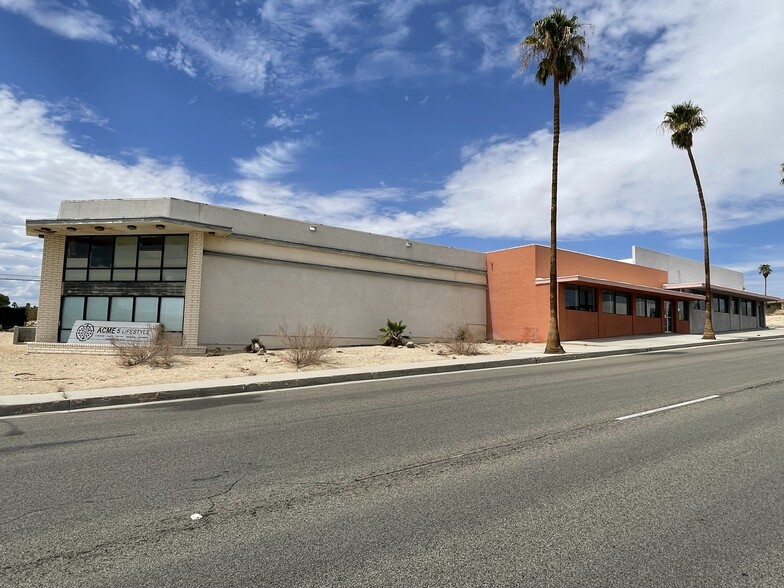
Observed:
{"x":51,"y":288}
{"x":190,"y":323}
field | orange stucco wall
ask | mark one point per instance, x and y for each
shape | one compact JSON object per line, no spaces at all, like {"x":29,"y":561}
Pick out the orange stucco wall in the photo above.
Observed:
{"x":518,"y":309}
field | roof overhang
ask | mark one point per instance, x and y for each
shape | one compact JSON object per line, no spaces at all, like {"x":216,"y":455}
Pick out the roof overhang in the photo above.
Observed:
{"x":722,"y":290}
{"x":591,"y":281}
{"x":121,"y":226}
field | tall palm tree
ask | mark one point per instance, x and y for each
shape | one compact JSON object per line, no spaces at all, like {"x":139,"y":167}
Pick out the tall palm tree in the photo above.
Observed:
{"x":557,"y":44}
{"x":765,"y":270}
{"x":682,"y":122}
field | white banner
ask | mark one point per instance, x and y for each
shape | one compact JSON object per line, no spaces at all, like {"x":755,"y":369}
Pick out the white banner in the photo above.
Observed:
{"x":104,"y":332}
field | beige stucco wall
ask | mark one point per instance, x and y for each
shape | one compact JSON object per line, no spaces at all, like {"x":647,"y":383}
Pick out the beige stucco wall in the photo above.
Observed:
{"x":250,"y":288}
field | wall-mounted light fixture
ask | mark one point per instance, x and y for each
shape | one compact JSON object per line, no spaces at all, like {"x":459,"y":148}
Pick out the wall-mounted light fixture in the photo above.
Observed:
{"x":313,"y":228}
{"x":408,"y":243}
{"x":72,"y":229}
{"x":160,"y":226}
{"x":45,"y":230}
{"x":131,"y":227}
{"x":100,"y":228}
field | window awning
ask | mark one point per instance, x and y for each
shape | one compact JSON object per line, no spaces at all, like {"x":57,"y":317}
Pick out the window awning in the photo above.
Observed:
{"x":722,"y":290}
{"x":591,"y":281}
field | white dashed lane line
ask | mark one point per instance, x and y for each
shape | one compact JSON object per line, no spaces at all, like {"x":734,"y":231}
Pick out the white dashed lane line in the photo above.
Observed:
{"x":639,"y":414}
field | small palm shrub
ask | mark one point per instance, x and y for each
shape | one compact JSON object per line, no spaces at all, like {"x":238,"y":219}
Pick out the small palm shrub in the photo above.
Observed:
{"x":392,"y":333}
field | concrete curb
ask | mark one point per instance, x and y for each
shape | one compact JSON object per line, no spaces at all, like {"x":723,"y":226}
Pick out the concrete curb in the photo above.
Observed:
{"x":36,"y":403}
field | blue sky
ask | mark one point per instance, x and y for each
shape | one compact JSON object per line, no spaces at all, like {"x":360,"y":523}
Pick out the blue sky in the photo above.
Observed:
{"x":402,"y":117}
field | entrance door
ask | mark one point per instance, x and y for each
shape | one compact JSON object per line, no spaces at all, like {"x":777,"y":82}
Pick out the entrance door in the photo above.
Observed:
{"x":668,"y":319}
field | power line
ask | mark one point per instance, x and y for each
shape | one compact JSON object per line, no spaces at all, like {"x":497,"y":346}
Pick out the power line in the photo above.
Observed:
{"x":19,"y":278}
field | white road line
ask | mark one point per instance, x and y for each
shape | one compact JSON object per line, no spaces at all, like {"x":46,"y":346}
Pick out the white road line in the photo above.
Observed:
{"x":639,"y":414}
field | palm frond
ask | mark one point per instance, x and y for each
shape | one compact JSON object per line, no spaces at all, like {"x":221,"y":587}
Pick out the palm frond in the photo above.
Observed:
{"x":558,"y":44}
{"x":682,"y":122}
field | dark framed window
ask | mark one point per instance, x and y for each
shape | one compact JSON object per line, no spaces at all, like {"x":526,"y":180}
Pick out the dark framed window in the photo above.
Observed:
{"x":581,"y":298}
{"x":647,"y":306}
{"x":683,"y":310}
{"x":616,"y":302}
{"x":126,"y":258}
{"x":748,"y":307}
{"x":167,"y":310}
{"x":721,"y":303}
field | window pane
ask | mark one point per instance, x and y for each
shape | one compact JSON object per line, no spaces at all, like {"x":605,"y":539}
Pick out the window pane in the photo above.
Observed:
{"x":149,"y":275}
{"x":76,"y":275}
{"x":124,"y":275}
{"x":121,"y":309}
{"x":100,"y":275}
{"x":97,"y":308}
{"x":173,"y":275}
{"x":608,"y":301}
{"x":572,"y":302}
{"x":587,"y":299}
{"x":73,"y":309}
{"x":64,"y":334}
{"x":150,"y":251}
{"x":101,"y":252}
{"x":175,"y":251}
{"x":653,"y":307}
{"x":622,"y":305}
{"x":171,"y":313}
{"x":146,"y":310}
{"x":640,"y":306}
{"x":76,"y":251}
{"x":125,"y":252}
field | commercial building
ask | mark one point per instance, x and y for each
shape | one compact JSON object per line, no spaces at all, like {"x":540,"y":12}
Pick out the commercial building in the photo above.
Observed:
{"x":217,"y":276}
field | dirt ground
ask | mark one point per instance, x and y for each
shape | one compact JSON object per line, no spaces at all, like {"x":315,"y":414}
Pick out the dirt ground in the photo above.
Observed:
{"x":28,"y":373}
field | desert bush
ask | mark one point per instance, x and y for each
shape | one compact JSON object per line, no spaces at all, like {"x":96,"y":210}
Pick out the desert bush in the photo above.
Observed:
{"x":157,"y":351}
{"x":459,"y":339}
{"x":392,"y":333}
{"x":305,"y":345}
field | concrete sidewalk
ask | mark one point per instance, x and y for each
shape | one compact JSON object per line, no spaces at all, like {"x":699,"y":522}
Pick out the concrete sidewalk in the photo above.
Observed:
{"x":65,"y":401}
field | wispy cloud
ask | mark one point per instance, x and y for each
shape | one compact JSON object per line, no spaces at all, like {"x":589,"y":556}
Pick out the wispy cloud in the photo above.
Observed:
{"x":174,"y":57}
{"x":272,"y":161}
{"x":283,"y":120}
{"x":67,"y":21}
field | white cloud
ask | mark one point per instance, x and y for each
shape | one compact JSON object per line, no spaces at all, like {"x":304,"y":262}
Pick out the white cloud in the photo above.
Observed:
{"x":66,"y":21}
{"x":618,"y":175}
{"x":283,"y":120}
{"x":272,"y":161}
{"x":174,"y":57}
{"x":40,"y":166}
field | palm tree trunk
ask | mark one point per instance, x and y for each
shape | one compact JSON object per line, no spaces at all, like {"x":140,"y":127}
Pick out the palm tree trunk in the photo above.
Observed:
{"x":766,"y":284}
{"x":553,"y":336}
{"x":708,"y":332}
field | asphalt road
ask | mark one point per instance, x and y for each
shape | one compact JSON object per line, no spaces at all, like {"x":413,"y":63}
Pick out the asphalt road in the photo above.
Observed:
{"x":507,"y":477}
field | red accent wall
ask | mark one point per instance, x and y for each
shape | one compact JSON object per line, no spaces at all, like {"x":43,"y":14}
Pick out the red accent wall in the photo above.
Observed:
{"x":519,"y":310}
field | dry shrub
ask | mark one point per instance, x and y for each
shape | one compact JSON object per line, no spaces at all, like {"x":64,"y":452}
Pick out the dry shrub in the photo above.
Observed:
{"x":157,"y":351}
{"x":459,"y":339}
{"x":305,"y":345}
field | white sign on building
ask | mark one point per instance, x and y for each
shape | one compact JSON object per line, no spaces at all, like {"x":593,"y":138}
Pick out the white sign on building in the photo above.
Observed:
{"x":106,"y":332}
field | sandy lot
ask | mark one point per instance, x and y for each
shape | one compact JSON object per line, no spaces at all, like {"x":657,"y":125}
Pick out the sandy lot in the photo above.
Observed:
{"x":25,"y":373}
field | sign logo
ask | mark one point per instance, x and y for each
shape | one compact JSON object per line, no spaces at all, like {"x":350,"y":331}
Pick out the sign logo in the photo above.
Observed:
{"x":85,"y":332}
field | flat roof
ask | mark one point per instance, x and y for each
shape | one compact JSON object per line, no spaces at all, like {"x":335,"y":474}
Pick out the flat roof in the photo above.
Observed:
{"x":622,"y":286}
